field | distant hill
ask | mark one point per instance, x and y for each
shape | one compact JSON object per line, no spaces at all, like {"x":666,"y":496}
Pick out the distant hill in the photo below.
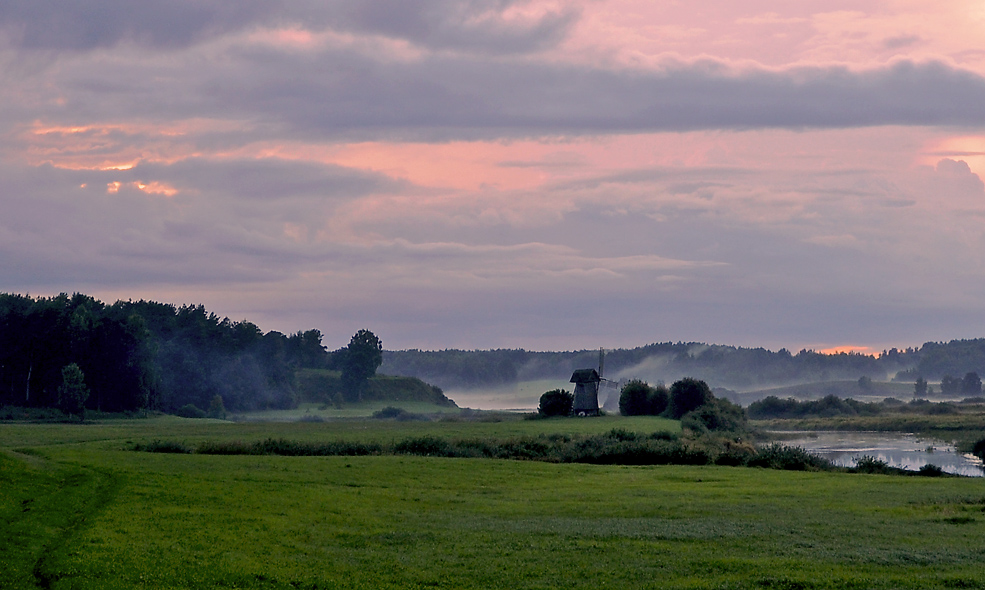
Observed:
{"x":324,"y":386}
{"x":735,"y":368}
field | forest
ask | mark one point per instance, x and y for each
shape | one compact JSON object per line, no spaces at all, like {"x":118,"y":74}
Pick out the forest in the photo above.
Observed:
{"x":146,"y":355}
{"x":134,"y":355}
{"x":721,"y":366}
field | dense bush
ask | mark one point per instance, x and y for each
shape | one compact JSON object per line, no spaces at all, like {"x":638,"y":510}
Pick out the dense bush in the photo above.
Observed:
{"x":979,"y":449}
{"x":556,"y":402}
{"x":717,"y":415}
{"x":424,"y":445}
{"x":869,"y":464}
{"x":826,"y":407}
{"x":190,"y":411}
{"x":778,"y":456}
{"x":399,"y":414}
{"x":159,"y":446}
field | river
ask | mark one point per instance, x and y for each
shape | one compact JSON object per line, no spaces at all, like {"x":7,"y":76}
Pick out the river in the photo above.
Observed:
{"x":897,"y":449}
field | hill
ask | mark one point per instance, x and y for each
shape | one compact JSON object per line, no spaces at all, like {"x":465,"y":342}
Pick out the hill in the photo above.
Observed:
{"x":325,"y":386}
{"x":736,"y":368}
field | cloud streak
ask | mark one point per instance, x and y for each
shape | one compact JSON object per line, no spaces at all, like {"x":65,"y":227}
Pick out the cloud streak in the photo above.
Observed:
{"x":508,"y":173}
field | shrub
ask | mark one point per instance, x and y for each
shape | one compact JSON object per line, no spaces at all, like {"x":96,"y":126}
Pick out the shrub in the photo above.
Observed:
{"x":869,"y":464}
{"x":778,"y":456}
{"x":556,"y":402}
{"x":686,"y":395}
{"x":931,"y":470}
{"x":388,"y":412}
{"x":399,"y":414}
{"x":979,"y":449}
{"x":190,"y":411}
{"x":424,"y":445}
{"x":774,"y":407}
{"x":718,"y":415}
{"x":162,"y":446}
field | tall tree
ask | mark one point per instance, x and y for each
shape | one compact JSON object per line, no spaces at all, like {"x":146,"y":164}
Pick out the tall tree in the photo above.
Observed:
{"x":73,"y":392}
{"x":686,"y":395}
{"x":362,"y":357}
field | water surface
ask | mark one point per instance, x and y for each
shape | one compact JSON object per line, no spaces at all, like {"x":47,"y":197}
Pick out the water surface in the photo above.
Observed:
{"x":897,"y":449}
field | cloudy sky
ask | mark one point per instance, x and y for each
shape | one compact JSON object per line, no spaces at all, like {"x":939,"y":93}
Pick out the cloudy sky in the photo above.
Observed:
{"x":506,"y":173}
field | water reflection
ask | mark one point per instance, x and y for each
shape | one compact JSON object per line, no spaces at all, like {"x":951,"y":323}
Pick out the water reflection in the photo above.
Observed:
{"x":897,"y":449}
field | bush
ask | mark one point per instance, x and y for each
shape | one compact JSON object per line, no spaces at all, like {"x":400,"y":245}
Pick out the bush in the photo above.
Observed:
{"x":388,"y":412}
{"x":778,"y":456}
{"x":869,"y":464}
{"x":719,"y":415}
{"x":556,"y":402}
{"x":424,"y":445}
{"x":931,"y":470}
{"x":979,"y":449}
{"x":686,"y":395}
{"x":159,"y":446}
{"x":190,"y":411}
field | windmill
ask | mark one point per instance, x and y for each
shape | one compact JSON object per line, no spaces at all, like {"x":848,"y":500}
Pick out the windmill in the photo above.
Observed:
{"x":587,"y":383}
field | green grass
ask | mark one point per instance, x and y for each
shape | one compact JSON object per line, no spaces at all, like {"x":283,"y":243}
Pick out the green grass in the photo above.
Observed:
{"x":101,"y":516}
{"x":350,"y":410}
{"x":519,"y":395}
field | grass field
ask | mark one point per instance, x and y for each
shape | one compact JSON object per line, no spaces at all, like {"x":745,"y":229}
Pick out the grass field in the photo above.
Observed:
{"x":78,"y":509}
{"x":363,"y":409}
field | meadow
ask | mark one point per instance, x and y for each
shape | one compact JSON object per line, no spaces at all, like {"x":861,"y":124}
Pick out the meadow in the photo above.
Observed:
{"x":79,"y":508}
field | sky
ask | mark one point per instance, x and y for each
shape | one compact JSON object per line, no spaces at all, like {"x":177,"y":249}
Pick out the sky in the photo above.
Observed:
{"x":548,"y":175}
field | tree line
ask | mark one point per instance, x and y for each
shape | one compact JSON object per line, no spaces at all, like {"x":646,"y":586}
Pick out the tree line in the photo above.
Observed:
{"x":55,"y":351}
{"x":727,"y":366}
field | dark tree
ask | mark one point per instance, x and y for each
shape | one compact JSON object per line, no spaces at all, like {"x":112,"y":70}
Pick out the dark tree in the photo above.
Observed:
{"x":305,"y":350}
{"x":920,"y":388}
{"x":950,"y":385}
{"x":217,"y":409}
{"x":657,"y":400}
{"x":73,"y":392}
{"x":556,"y":402}
{"x":686,"y":395}
{"x":971,"y":384}
{"x":362,"y":357}
{"x":634,"y":398}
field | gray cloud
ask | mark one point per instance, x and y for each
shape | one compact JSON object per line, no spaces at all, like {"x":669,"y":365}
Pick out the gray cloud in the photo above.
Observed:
{"x":471,"y":25}
{"x":342,"y":94}
{"x":476,"y":25}
{"x":265,"y":178}
{"x":88,"y":24}
{"x":345,"y":95}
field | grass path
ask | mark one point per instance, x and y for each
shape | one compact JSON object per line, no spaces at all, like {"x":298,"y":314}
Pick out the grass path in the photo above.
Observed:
{"x":43,"y":508}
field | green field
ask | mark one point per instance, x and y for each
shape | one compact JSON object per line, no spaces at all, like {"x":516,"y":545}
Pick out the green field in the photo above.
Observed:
{"x":79,"y":509}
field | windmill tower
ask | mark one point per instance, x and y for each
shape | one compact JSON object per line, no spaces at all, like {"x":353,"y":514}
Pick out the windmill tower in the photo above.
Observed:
{"x":586,"y":402}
